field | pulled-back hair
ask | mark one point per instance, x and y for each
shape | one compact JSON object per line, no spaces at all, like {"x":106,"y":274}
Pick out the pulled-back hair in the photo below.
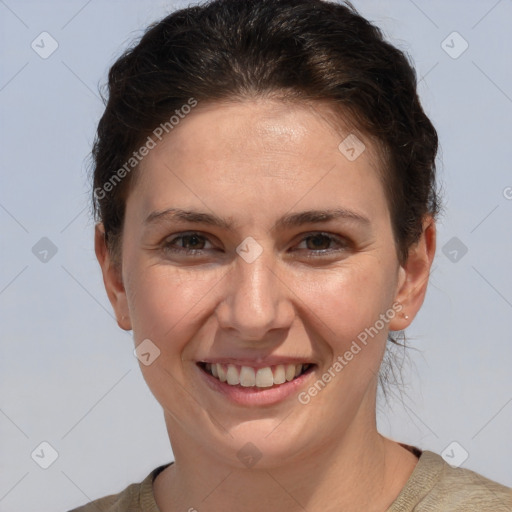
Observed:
{"x":293,"y":49}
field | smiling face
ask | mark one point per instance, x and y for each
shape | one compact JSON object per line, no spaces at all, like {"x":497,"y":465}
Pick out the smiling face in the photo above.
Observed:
{"x":251,"y":240}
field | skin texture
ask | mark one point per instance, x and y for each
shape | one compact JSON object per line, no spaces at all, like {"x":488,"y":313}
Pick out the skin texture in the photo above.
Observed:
{"x":251,"y":162}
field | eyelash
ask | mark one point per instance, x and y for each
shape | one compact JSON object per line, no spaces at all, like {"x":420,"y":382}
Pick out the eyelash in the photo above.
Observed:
{"x":168,"y":245}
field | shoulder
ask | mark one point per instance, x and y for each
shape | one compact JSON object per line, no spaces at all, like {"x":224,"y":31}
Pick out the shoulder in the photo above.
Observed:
{"x":436,"y":486}
{"x":125,"y":500}
{"x":464,"y":490}
{"x":137,"y":497}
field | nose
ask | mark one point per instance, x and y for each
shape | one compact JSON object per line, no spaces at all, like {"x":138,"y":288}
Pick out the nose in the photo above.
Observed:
{"x":256,"y":300}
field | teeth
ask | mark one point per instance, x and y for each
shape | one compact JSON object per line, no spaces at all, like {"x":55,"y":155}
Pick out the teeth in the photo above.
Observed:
{"x":232,"y":375}
{"x":290,"y":372}
{"x":264,"y":378}
{"x":221,"y":372}
{"x":279,"y":374}
{"x":247,"y":376}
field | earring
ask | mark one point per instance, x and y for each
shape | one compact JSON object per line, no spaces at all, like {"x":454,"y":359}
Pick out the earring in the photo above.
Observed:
{"x":406,"y":317}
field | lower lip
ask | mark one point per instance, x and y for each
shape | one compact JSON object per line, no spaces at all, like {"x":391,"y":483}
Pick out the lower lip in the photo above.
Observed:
{"x":257,"y":396}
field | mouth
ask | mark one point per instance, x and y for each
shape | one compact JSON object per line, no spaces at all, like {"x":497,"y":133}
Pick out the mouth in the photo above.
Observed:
{"x":250,"y":377}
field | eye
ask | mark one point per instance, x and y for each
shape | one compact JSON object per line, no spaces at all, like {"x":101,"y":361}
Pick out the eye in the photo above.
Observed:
{"x":189,"y":243}
{"x":320,"y":243}
{"x":194,"y":243}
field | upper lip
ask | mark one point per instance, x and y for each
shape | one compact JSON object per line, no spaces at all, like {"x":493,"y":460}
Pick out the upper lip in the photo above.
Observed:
{"x":258,"y":362}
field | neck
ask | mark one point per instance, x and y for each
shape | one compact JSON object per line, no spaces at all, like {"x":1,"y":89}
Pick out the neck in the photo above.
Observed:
{"x":362,"y":471}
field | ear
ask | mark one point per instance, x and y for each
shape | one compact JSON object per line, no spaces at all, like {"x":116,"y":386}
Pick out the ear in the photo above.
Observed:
{"x":414,"y":275}
{"x":112,"y":279}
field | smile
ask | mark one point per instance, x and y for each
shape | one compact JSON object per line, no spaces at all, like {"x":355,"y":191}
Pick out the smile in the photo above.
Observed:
{"x":249,"y":377}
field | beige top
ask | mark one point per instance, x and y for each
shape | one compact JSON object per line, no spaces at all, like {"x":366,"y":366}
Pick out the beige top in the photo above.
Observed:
{"x":434,"y":486}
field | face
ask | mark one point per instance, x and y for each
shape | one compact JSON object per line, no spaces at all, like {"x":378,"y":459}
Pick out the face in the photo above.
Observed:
{"x":251,"y":246}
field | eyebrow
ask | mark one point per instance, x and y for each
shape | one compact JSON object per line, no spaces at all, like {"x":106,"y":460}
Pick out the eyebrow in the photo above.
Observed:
{"x":287,"y":221}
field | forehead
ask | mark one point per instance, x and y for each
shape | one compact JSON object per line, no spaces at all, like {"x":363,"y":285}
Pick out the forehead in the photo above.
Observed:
{"x":264,"y":152}
{"x":233,"y":129}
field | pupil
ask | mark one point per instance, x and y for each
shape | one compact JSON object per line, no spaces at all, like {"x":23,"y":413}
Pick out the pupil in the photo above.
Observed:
{"x":188,"y":238}
{"x":319,"y":240}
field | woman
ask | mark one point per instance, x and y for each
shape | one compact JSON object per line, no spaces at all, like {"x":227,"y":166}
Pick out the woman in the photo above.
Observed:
{"x":265,"y":189}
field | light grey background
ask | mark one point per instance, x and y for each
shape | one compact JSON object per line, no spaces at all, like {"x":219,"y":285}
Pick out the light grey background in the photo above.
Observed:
{"x":68,"y":373}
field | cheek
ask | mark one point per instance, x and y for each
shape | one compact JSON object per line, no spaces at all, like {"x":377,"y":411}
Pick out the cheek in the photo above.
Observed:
{"x":171,"y":304}
{"x":166,"y":303}
{"x":347,"y":300}
{"x":167,"y":307}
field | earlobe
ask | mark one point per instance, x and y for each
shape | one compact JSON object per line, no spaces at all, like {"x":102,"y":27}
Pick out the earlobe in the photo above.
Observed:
{"x":414,"y":275}
{"x":112,"y":279}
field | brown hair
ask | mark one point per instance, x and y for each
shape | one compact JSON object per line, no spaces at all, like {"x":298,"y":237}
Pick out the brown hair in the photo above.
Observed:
{"x":303,"y":49}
